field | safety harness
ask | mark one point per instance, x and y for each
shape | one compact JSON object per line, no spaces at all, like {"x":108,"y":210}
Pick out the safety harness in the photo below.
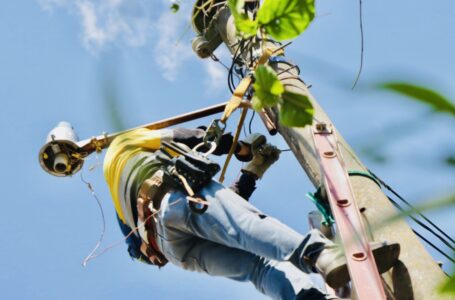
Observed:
{"x":149,"y":201}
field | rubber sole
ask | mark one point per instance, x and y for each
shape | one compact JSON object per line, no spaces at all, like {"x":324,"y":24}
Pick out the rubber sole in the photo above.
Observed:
{"x":385,"y":256}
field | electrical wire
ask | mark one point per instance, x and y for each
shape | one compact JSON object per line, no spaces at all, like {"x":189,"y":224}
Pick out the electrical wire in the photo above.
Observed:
{"x":361,"y":45}
{"x":251,"y":121}
{"x":434,"y":246}
{"x":426,"y":219}
{"x":92,"y":254}
{"x":422,"y":225}
{"x":412,"y":207}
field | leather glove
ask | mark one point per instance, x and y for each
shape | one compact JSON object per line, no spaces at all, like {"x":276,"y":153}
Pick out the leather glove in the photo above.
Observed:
{"x":253,"y":142}
{"x":263,"y":157}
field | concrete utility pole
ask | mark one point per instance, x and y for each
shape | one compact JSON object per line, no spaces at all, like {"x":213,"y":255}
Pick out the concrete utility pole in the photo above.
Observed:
{"x":417,"y":275}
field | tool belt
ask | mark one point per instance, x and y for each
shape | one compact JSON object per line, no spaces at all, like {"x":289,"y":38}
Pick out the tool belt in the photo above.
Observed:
{"x":149,"y":200}
{"x":188,"y":168}
{"x":188,"y":172}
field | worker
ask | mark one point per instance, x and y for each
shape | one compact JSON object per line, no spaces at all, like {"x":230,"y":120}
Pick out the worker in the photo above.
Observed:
{"x":171,"y":210}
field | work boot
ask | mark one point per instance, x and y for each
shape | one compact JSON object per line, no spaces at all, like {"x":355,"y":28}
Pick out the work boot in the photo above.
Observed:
{"x":331,"y":262}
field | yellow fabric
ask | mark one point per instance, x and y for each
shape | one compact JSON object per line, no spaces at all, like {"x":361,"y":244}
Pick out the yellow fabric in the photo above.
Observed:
{"x":245,"y":83}
{"x":236,"y":98}
{"x":120,"y":151}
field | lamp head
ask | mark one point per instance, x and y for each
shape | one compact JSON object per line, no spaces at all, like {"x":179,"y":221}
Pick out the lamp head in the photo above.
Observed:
{"x":60,"y":155}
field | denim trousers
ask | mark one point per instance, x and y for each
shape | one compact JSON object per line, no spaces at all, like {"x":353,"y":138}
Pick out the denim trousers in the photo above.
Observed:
{"x":234,"y":239}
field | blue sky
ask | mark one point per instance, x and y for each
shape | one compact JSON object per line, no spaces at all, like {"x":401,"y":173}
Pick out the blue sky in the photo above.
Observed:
{"x":59,"y":57}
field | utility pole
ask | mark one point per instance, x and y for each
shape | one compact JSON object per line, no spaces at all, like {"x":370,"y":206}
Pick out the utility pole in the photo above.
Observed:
{"x":416,"y":275}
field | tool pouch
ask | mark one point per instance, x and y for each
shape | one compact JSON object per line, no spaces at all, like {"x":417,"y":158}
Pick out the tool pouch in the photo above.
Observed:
{"x":197,"y":169}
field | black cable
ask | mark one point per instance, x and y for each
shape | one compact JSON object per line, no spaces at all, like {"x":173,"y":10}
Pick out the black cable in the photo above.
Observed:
{"x":230,"y":79}
{"x":434,"y":247}
{"x":410,"y":206}
{"x":423,"y":225}
{"x":251,"y":121}
{"x":361,"y":45}
{"x":423,"y":238}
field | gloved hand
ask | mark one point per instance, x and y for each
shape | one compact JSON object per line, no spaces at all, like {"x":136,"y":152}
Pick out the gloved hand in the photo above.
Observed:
{"x":263,"y":157}
{"x":252,"y":142}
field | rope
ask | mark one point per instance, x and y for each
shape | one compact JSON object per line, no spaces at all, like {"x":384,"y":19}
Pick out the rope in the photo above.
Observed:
{"x":234,"y":144}
{"x":236,"y":100}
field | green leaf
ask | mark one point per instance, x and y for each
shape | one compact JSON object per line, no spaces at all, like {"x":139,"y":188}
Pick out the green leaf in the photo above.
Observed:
{"x":285,"y":19}
{"x":244,"y":25}
{"x":450,"y":160}
{"x":268,"y":88}
{"x":422,"y":94}
{"x":449,"y":286}
{"x":175,"y":7}
{"x":296,"y":110}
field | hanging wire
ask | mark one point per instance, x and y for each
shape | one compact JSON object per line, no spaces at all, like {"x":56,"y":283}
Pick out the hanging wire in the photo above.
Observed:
{"x":103,"y":228}
{"x":361,"y":45}
{"x":93,"y":253}
{"x":251,"y":121}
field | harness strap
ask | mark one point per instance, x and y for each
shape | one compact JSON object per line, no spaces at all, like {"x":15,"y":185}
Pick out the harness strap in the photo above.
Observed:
{"x":234,"y":144}
{"x":236,"y":100}
{"x":149,"y":200}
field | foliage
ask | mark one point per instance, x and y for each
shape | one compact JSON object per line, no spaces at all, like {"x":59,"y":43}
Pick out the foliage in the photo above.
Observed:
{"x":245,"y":26}
{"x":450,"y":160}
{"x":285,"y":19}
{"x":396,"y":131}
{"x":422,"y":94}
{"x":175,"y":7}
{"x":281,"y":19}
{"x":449,"y":286}
{"x":296,"y":109}
{"x":268,"y":88}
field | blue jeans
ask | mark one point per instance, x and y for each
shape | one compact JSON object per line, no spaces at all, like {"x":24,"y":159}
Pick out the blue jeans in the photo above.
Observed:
{"x":235,"y":240}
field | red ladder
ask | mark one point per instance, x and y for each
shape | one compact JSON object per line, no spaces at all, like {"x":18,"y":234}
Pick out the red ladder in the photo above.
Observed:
{"x":362,"y":268}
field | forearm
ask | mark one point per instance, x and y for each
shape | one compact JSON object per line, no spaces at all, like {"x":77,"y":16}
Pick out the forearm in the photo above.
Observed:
{"x":245,"y":185}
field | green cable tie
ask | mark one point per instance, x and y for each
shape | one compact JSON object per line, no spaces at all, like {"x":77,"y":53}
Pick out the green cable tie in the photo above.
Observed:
{"x":327,"y":217}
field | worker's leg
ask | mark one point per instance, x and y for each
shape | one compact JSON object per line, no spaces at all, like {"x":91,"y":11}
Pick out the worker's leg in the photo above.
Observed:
{"x":277,"y":280}
{"x":233,"y":222}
